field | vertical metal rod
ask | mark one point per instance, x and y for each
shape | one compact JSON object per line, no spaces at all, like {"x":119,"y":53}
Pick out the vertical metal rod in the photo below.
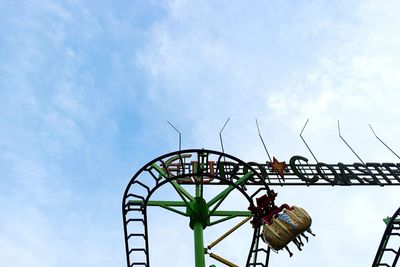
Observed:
{"x":383,"y":142}
{"x":199,"y":245}
{"x":348,"y":144}
{"x":199,"y":189}
{"x":265,"y":147}
{"x":267,"y":259}
{"x":220,"y":136}
{"x":180,"y":135}
{"x":304,"y":141}
{"x":309,"y":149}
{"x":256,"y":248}
{"x":146,"y":234}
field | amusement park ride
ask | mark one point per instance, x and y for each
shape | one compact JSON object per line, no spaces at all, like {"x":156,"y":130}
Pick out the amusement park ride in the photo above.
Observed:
{"x":190,"y":172}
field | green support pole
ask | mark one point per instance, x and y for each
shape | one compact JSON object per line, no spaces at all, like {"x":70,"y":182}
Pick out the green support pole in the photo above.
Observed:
{"x":199,"y":245}
{"x":199,"y":255}
{"x":199,"y":212}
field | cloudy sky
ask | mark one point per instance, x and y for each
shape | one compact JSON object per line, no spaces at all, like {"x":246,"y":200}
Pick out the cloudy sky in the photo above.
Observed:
{"x":86,"y":88}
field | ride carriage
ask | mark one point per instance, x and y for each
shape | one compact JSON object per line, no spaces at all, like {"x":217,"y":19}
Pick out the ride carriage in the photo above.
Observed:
{"x":281,"y":225}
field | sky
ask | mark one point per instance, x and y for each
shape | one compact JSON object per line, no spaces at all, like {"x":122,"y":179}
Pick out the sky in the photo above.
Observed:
{"x":86,"y":88}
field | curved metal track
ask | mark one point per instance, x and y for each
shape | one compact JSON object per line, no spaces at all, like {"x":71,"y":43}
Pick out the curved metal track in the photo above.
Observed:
{"x":386,"y":250}
{"x":160,"y":171}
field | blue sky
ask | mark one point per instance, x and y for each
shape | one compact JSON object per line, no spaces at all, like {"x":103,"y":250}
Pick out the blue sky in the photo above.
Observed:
{"x":87,"y":87}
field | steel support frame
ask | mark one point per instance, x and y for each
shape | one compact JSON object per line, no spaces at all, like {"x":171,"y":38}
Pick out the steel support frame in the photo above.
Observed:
{"x":200,"y":214}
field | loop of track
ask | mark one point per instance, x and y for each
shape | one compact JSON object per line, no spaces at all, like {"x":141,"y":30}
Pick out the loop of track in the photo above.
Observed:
{"x":147,"y":180}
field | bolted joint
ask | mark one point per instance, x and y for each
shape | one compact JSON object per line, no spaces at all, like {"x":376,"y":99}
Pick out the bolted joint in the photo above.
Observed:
{"x":199,"y":212}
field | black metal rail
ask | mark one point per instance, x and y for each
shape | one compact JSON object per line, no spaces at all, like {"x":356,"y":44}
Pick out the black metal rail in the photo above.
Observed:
{"x":387,"y":255}
{"x":148,"y":179}
{"x":258,"y":255}
{"x":185,"y":166}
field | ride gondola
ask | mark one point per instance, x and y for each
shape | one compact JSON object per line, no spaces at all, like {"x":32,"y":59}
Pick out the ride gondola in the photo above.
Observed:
{"x":281,"y":225}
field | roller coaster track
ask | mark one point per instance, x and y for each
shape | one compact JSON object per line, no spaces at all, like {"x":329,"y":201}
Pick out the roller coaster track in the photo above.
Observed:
{"x":217,"y":168}
{"x":152,"y":176}
{"x":389,"y":249}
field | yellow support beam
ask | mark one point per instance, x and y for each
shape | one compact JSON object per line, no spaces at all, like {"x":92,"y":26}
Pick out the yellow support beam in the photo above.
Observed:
{"x":228,"y":233}
{"x":222,"y":260}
